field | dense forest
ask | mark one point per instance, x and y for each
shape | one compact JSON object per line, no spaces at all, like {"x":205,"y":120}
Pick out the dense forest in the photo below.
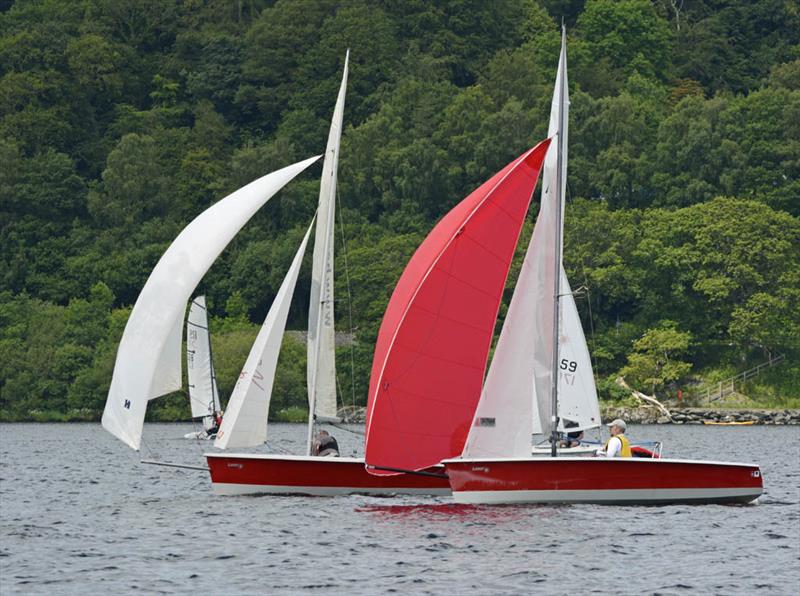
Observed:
{"x":121,"y":120}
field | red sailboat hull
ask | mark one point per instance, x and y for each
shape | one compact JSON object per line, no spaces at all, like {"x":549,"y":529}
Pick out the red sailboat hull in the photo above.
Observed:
{"x":240,"y":474}
{"x":629,"y":481}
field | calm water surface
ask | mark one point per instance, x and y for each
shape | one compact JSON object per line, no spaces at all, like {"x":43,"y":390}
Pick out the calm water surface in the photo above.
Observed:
{"x":80,"y":515}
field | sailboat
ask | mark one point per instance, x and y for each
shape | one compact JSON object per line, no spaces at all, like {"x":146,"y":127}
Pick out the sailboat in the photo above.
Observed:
{"x":148,"y":363}
{"x":203,"y":392}
{"x":495,"y":466}
{"x":245,"y":422}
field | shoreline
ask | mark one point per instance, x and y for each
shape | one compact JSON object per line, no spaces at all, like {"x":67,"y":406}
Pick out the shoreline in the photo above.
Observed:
{"x":631,"y":415}
{"x":651,"y":415}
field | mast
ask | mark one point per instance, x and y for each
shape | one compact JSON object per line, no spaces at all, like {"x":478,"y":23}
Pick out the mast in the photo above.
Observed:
{"x":215,"y":403}
{"x":321,"y":367}
{"x":559,"y":244}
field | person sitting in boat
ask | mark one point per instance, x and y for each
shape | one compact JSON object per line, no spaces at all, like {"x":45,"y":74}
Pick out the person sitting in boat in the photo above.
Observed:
{"x":617,"y":445}
{"x":325,"y":445}
{"x":572,"y":439}
{"x":211,"y":423}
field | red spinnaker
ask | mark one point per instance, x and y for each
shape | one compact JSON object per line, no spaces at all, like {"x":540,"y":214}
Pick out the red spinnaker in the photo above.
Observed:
{"x":434,"y":341}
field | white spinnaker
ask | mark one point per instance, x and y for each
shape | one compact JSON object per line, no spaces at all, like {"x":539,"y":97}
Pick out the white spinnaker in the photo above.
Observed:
{"x":321,"y":367}
{"x":245,"y":420}
{"x":148,"y":362}
{"x":203,"y":394}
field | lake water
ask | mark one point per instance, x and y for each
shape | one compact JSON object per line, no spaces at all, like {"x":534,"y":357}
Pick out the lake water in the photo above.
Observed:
{"x":80,"y":515}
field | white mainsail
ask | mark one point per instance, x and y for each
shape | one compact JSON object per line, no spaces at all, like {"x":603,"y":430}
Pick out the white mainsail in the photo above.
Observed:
{"x":148,"y":362}
{"x":545,"y":245}
{"x":245,"y":421}
{"x":321,"y":367}
{"x":203,"y":393}
{"x":516,"y":394}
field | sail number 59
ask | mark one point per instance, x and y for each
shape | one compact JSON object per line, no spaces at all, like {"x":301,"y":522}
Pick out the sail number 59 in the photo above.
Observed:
{"x":568,"y":365}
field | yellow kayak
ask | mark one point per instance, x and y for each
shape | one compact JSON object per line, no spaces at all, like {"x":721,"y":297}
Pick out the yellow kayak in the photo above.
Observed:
{"x":742,"y":423}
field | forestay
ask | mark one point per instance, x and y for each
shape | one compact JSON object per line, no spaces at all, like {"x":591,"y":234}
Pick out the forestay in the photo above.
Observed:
{"x":432,"y":347}
{"x":148,"y":362}
{"x":321,"y":364}
{"x":203,"y":393}
{"x":245,"y":421}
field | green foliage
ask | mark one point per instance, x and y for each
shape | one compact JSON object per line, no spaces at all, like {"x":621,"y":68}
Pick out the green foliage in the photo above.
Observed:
{"x":628,"y":33}
{"x":653,"y":363}
{"x":292,"y":414}
{"x":120,"y":122}
{"x":778,"y":387}
{"x":609,"y":390}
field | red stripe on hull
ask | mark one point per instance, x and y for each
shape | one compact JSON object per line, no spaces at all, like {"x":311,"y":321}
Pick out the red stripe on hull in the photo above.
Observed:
{"x":240,"y":474}
{"x":602,"y":480}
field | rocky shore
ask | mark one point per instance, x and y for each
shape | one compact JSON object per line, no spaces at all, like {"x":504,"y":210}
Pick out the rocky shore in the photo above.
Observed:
{"x":649,"y":415}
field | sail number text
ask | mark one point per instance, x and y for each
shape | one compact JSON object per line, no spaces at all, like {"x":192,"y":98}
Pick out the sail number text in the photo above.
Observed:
{"x":568,"y":365}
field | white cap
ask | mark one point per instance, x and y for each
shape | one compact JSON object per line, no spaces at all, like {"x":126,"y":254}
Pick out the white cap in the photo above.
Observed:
{"x":619,"y":422}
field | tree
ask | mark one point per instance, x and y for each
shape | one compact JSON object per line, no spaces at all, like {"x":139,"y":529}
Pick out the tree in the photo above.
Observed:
{"x":134,"y":184}
{"x":771,"y":321}
{"x":730,"y":46}
{"x":654,"y":360}
{"x":629,"y":33}
{"x":700,"y":263}
{"x":96,"y":64}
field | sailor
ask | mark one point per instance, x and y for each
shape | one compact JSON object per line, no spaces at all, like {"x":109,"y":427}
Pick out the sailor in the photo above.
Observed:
{"x":618,"y":445}
{"x":571,"y":439}
{"x":211,"y":424}
{"x":325,"y":445}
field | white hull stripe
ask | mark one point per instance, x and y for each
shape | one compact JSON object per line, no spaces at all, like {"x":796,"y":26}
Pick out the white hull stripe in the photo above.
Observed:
{"x":640,"y":495}
{"x":229,"y":488}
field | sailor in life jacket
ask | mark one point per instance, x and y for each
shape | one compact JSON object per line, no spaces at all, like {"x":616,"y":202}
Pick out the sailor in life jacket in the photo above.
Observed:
{"x":325,"y":445}
{"x":618,"y":445}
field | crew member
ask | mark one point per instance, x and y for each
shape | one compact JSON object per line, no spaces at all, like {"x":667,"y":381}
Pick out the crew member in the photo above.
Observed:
{"x":571,"y":439}
{"x":325,"y":445}
{"x":618,"y":445}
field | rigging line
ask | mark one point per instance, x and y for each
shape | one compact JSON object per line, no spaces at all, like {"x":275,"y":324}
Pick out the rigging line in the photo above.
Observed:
{"x":150,"y":451}
{"x":412,"y":472}
{"x":174,"y":465}
{"x":585,"y":287}
{"x":349,"y":303}
{"x":592,"y":360}
{"x":339,"y":387}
